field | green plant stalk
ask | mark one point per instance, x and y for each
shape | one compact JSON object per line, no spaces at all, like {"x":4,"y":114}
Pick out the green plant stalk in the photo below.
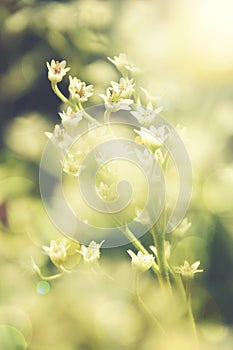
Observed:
{"x":106,"y":116}
{"x":158,"y":234}
{"x":86,"y":115}
{"x":61,"y":96}
{"x":142,"y":305}
{"x":190,"y":313}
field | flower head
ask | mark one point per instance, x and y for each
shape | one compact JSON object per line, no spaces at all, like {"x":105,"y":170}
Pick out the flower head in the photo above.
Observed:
{"x":141,"y":262}
{"x":182,"y":228}
{"x":57,"y":70}
{"x":63,"y":253}
{"x":68,"y":114}
{"x":146,"y":116}
{"x":167,"y":249}
{"x":91,"y":254}
{"x":116,"y":97}
{"x":120,"y":61}
{"x":152,"y":138}
{"x":123,"y":89}
{"x":72,"y":163}
{"x":107,"y":192}
{"x":188,"y":271}
{"x":57,"y":251}
{"x":79,"y":91}
{"x":60,"y":137}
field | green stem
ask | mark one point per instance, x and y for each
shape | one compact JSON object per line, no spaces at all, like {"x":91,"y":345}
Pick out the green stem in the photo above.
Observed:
{"x":86,"y":115}
{"x":106,"y":116}
{"x":190,"y":313}
{"x":61,"y":96}
{"x":158,"y":233}
{"x":142,"y":305}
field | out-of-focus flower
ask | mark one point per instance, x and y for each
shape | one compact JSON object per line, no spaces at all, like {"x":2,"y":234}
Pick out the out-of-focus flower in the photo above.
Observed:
{"x":79,"y":91}
{"x":72,"y":163}
{"x":152,"y":138}
{"x":91,"y":254}
{"x":57,"y":70}
{"x":57,"y":251}
{"x":63,"y":254}
{"x":107,"y":192}
{"x":120,"y":62}
{"x":182,"y":228}
{"x":167,"y":249}
{"x":133,"y":69}
{"x":141,"y":262}
{"x":146,"y":116}
{"x":188,"y":271}
{"x":60,"y":137}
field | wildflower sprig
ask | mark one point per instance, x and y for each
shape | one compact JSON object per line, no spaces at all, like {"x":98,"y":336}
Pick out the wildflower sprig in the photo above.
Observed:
{"x":124,"y":95}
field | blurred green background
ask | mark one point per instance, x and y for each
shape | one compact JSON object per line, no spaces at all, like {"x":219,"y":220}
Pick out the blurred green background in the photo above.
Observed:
{"x":186,"y":51}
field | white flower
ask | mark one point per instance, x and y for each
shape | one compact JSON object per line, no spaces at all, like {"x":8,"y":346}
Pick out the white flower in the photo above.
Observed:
{"x":114,"y":102}
{"x":152,"y":138}
{"x":140,"y":261}
{"x":167,"y":249}
{"x":146,"y":116}
{"x":188,"y":271}
{"x":72,"y":163}
{"x":120,"y":61}
{"x":107,"y":192}
{"x":183,"y":227}
{"x":57,"y":70}
{"x":123,"y":89}
{"x":70,"y":121}
{"x":91,"y":254}
{"x":60,"y":137}
{"x":57,"y":251}
{"x":68,"y":114}
{"x":133,"y":69}
{"x":79,"y":91}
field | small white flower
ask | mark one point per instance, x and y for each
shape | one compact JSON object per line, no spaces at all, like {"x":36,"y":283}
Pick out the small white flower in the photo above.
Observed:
{"x":60,"y":137}
{"x":72,"y":163}
{"x":57,"y":70}
{"x":123,"y":89}
{"x":57,"y":252}
{"x":167,"y":249}
{"x":133,"y":69}
{"x":140,"y":261}
{"x":120,"y":61}
{"x":70,"y":121}
{"x":79,"y":91}
{"x":91,"y":254}
{"x":152,"y":138}
{"x":114,"y":101}
{"x":183,"y":227}
{"x":146,"y":116}
{"x":68,"y":114}
{"x":188,"y":271}
{"x":107,"y":192}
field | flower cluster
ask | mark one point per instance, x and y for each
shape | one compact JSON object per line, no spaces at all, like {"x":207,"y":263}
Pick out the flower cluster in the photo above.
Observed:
{"x":151,"y":139}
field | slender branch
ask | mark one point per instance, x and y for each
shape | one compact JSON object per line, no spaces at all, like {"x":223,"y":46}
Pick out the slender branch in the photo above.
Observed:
{"x":142,"y":305}
{"x":190,"y":313}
